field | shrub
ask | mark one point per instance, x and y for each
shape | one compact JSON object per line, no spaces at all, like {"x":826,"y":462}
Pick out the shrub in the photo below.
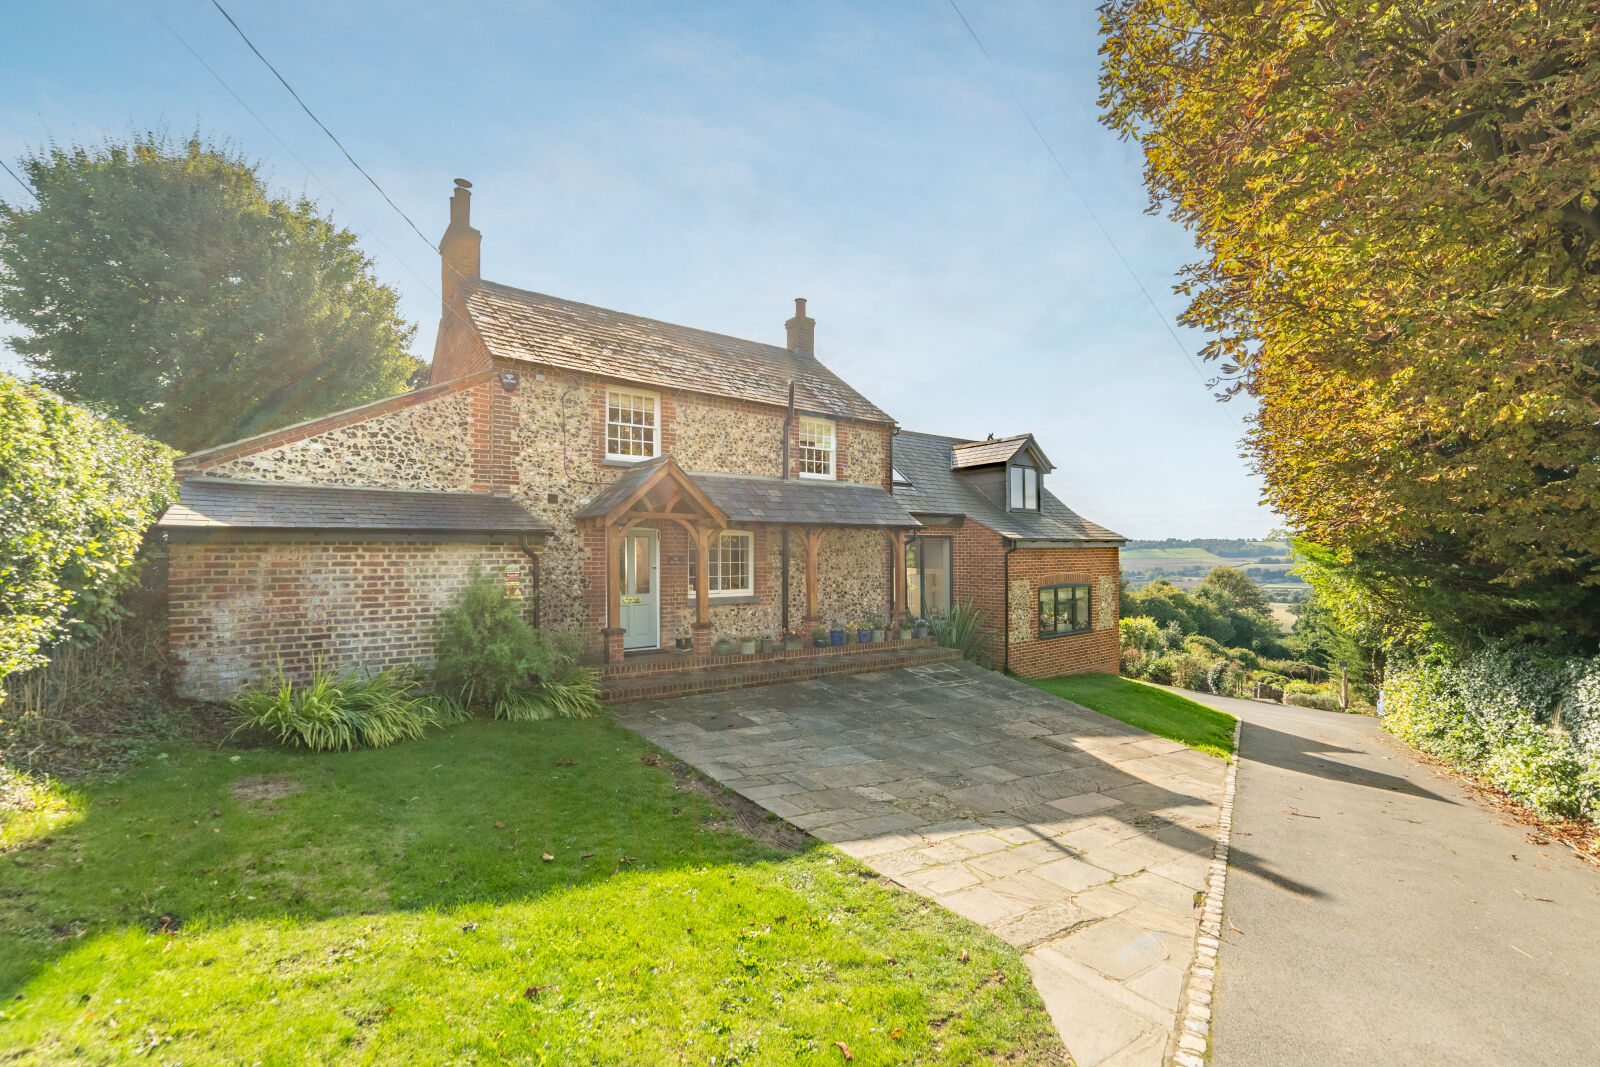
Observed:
{"x":77,"y":493}
{"x":1199,"y":644}
{"x":1221,"y":677}
{"x":487,"y":658}
{"x":1189,"y":672}
{"x":1140,"y":634}
{"x":965,"y":628}
{"x":1312,"y":698}
{"x":1526,"y":725}
{"x":1246,"y":658}
{"x":1163,"y":670}
{"x":332,"y":712}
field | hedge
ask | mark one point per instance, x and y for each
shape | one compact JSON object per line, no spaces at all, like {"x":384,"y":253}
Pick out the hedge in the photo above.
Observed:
{"x":77,"y":493}
{"x":1526,"y":724}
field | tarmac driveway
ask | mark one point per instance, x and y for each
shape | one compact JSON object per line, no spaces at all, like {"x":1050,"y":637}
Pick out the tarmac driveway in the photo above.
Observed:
{"x":1071,"y":835}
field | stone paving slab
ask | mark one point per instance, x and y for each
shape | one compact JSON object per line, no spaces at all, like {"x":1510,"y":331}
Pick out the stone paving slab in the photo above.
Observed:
{"x":1081,"y":840}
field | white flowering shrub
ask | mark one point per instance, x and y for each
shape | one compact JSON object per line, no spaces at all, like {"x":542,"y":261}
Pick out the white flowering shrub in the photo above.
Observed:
{"x":1527,"y":725}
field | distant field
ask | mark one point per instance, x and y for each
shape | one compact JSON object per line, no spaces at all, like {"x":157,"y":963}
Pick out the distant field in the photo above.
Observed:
{"x":1283,"y":615}
{"x":1175,"y":555}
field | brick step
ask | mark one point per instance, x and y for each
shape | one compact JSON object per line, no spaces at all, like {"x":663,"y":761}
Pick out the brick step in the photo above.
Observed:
{"x":623,"y":689}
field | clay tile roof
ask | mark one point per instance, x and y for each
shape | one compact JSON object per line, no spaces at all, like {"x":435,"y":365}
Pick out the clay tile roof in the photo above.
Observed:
{"x":532,"y":327}
{"x":214,"y":504}
{"x":982,"y":453}
{"x":938,"y":489}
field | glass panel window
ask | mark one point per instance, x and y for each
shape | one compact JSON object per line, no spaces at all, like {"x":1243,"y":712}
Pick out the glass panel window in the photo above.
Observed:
{"x":630,"y":424}
{"x":732,"y":568}
{"x":928,"y":576}
{"x":816,"y":448}
{"x":1063,"y":609}
{"x":1023,"y":492}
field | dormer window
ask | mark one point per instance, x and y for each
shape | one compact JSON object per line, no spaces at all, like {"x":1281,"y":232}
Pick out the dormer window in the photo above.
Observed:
{"x":1024,"y":492}
{"x":632,"y":422}
{"x":816,"y":448}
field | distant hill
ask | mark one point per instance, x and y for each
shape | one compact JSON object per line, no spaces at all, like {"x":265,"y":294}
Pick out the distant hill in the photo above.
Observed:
{"x":1185,"y":561}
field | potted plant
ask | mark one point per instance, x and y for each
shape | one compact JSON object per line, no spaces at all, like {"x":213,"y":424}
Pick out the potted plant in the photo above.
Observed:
{"x":723,"y":647}
{"x":747,"y":646}
{"x":907,"y":628}
{"x":793,"y":640}
{"x":863,"y":632}
{"x":920,"y":628}
{"x":684,"y":644}
{"x":764,"y":644}
{"x":819,"y":638}
{"x":877,"y":630}
{"x":836,"y":635}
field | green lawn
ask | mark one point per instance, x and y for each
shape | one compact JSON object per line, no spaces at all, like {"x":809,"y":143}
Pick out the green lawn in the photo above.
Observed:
{"x":1147,"y":707}
{"x":517,"y":893}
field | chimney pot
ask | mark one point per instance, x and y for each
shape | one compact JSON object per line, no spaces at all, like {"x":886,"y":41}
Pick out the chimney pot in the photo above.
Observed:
{"x":802,"y":329}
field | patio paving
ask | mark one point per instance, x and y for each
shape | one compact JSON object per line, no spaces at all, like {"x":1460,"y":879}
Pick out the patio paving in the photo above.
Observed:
{"x":1079,"y":839}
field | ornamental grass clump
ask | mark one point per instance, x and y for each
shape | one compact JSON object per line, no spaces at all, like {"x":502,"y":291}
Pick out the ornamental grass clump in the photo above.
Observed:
{"x":965,"y":628}
{"x":333,"y":712}
{"x":488,"y":659}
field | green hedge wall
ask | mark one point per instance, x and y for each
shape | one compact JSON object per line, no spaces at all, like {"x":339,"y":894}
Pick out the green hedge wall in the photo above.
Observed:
{"x":77,"y":493}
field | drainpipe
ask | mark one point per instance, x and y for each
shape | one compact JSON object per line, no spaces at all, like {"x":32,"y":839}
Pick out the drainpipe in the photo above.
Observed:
{"x":1005,"y":621}
{"x":783,"y":548}
{"x":533,"y":558}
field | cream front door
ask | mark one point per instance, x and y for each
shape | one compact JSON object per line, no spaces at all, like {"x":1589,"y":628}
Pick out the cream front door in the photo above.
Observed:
{"x":641,"y":589}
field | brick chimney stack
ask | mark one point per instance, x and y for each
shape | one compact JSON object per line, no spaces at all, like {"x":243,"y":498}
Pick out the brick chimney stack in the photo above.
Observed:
{"x":460,"y":246}
{"x":802,"y":329}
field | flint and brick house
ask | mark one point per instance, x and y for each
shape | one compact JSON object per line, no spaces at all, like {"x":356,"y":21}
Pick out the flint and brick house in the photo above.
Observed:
{"x":638,"y":482}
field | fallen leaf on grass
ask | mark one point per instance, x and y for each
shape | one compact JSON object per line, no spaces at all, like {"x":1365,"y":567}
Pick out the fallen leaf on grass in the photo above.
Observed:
{"x":533,"y":991}
{"x":963,"y":957}
{"x":897,"y":1033}
{"x":587,"y":856}
{"x":651,"y":760}
{"x":467,"y":929}
{"x":564,"y":762}
{"x":547,"y":857}
{"x":499,"y":826}
{"x":629,"y":859}
{"x":844,"y":1048}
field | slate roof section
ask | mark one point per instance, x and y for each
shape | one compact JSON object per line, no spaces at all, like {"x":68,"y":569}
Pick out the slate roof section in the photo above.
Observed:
{"x":216,"y":504}
{"x":802,"y":501}
{"x":520,"y":325}
{"x":983,"y":453}
{"x":936,"y":489}
{"x":619,"y":490}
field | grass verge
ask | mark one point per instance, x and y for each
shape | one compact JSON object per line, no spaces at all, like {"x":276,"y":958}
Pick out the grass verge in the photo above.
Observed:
{"x":1147,"y":707}
{"x":501,"y":892}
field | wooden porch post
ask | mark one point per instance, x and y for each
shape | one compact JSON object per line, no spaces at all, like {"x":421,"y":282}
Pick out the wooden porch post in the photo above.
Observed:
{"x":898,"y":608}
{"x":811,"y":539}
{"x":612,"y":632}
{"x":701,"y":628}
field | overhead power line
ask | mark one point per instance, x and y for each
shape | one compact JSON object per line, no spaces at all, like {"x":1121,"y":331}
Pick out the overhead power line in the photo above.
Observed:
{"x":20,"y":182}
{"x":1087,"y":207}
{"x":198,"y":58}
{"x":320,"y":125}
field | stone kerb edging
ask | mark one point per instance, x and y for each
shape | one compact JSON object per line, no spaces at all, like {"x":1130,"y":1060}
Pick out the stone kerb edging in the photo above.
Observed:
{"x":1194,"y":1029}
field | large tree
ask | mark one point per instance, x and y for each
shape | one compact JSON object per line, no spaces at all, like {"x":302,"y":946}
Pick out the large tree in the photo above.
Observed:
{"x":1399,"y":206}
{"x":167,"y":286}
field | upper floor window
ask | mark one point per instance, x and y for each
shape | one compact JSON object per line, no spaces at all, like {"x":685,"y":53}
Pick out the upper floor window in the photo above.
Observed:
{"x":632,"y":424}
{"x":732,"y":566}
{"x":1063,"y":609}
{"x":1024,"y":495}
{"x":816,"y":448}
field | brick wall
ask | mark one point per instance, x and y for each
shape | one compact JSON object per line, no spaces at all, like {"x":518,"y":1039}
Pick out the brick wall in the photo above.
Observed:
{"x":1033,"y":656}
{"x":238,"y":608}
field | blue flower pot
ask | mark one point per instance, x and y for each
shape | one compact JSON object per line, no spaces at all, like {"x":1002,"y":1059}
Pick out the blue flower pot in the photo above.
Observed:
{"x":863,"y":636}
{"x":835,"y":637}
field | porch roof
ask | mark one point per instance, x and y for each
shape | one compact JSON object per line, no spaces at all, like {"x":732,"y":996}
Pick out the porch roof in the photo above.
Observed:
{"x":803,"y":501}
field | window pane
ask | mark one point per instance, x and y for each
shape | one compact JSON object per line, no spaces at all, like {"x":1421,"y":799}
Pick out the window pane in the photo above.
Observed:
{"x":641,"y":566}
{"x":1030,"y":499}
{"x":935,"y":575}
{"x":1015,"y":498}
{"x":816,"y":447}
{"x":1047,"y":610}
{"x":630,"y":423}
{"x":913,"y":578}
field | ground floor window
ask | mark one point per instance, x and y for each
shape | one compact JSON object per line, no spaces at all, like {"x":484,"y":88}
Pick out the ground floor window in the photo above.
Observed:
{"x":732,"y":570}
{"x":1063,"y":609}
{"x":928,"y":576}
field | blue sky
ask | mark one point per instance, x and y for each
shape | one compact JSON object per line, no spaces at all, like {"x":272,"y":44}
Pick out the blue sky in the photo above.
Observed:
{"x":705,"y":164}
